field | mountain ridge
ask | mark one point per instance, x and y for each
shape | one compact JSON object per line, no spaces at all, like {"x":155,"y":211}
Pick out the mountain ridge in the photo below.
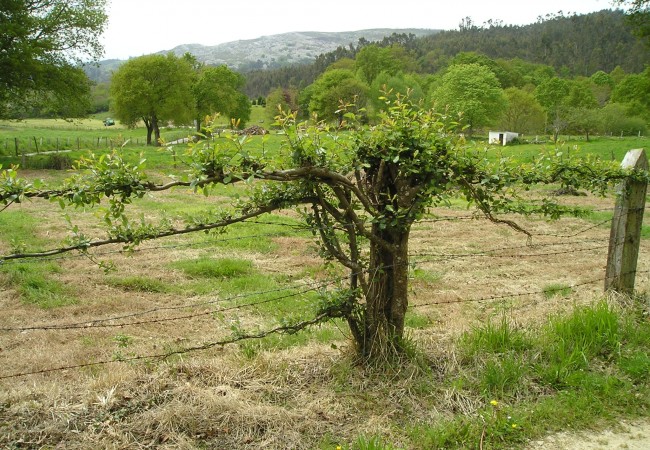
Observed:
{"x":268,"y":51}
{"x":278,"y":50}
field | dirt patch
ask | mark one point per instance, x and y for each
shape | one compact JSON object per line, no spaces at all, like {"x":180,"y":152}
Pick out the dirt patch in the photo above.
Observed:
{"x":627,"y":435}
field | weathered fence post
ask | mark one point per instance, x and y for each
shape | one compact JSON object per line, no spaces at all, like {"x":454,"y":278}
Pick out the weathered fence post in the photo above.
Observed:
{"x":625,"y":236}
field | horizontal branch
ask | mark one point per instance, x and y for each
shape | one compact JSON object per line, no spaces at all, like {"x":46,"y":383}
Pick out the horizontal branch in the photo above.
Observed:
{"x":84,"y":246}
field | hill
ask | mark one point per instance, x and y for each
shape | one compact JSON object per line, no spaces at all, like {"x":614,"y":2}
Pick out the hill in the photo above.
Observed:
{"x":267,"y":52}
{"x":279,"y":50}
{"x":572,"y":45}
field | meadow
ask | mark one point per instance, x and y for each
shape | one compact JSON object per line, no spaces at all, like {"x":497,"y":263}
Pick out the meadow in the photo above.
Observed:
{"x":512,"y":339}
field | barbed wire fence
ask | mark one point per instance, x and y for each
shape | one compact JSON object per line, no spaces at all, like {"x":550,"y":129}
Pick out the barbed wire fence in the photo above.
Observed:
{"x":285,"y":293}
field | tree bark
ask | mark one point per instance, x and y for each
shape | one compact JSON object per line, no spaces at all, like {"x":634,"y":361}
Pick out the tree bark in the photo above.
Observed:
{"x":148,"y":124}
{"x":387,"y":296}
{"x":156,"y":130}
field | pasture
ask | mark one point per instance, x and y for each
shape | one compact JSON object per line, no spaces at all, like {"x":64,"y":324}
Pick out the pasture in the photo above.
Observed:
{"x":512,"y":338}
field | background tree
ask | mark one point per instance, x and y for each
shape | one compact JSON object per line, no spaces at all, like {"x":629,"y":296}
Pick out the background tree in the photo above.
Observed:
{"x":389,"y":86}
{"x":581,"y":108}
{"x":615,"y":120}
{"x":602,"y":84}
{"x":634,"y":91}
{"x":155,"y":89}
{"x":638,"y":13}
{"x":551,"y":94}
{"x":332,"y":88}
{"x":473,"y":91}
{"x":41,"y":41}
{"x":372,"y":60}
{"x":523,"y":113}
{"x":284,"y":99}
{"x":100,"y":97}
{"x":219,"y":90}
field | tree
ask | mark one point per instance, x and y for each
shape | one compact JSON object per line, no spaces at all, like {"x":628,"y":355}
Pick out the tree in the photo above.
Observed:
{"x":523,"y":114}
{"x":281,"y":100}
{"x":602,"y":84}
{"x":551,"y":94}
{"x":638,"y":14}
{"x":614,"y":120}
{"x":41,"y":42}
{"x":372,"y":60}
{"x":218,"y":90}
{"x":634,"y":90}
{"x":581,"y":108}
{"x":332,"y":89}
{"x":155,"y":89}
{"x":360,"y":193}
{"x":473,"y":91}
{"x":387,"y":86}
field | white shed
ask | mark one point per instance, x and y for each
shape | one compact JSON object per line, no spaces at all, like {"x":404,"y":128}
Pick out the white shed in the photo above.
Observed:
{"x":501,"y":137}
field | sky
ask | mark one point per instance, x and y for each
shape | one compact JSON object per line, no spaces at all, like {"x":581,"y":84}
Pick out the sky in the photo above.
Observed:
{"x":141,"y":27}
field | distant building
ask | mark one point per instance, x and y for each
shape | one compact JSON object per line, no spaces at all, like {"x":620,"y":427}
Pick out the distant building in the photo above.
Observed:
{"x":501,"y":137}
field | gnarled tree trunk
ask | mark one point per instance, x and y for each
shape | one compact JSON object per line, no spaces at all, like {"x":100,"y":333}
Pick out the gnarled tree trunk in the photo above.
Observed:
{"x":387,"y":297}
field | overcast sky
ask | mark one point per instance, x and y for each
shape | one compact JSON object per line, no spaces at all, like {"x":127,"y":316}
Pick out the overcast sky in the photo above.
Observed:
{"x":140,"y":27}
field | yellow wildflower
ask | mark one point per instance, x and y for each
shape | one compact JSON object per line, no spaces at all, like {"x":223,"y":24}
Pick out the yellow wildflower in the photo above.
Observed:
{"x":494,"y":403}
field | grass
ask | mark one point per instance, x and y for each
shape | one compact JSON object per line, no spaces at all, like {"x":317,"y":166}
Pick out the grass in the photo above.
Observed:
{"x":215,"y":267}
{"x":572,"y":372}
{"x":556,"y":289}
{"x":607,"y":148}
{"x":140,"y":284}
{"x":35,"y":285}
{"x":33,"y":281}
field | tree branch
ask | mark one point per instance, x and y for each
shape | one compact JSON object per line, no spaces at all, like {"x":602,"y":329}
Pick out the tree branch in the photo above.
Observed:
{"x":84,"y":246}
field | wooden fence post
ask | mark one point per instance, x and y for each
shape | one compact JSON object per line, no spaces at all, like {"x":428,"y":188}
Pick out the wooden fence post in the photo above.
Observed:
{"x":625,"y":236}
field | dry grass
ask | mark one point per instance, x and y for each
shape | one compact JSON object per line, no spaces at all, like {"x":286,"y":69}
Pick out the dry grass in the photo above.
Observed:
{"x":300,"y":397}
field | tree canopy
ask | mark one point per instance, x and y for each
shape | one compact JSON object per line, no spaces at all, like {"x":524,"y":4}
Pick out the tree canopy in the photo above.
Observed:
{"x":638,"y":15}
{"x":155,"y":89}
{"x":218,"y":90}
{"x":473,"y":91}
{"x":332,"y":88}
{"x":41,"y":44}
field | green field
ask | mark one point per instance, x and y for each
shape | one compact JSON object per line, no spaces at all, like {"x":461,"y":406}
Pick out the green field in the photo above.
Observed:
{"x":36,"y":135}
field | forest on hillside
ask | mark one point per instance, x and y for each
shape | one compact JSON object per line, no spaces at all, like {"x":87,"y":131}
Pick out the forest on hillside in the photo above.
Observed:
{"x":572,"y":45}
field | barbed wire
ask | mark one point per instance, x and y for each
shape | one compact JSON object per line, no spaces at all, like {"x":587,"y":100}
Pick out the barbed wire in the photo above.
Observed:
{"x":489,"y":252}
{"x":577,"y":233}
{"x":317,"y":285}
{"x":137,"y":250}
{"x":99,"y":323}
{"x":284,"y":329}
{"x":83,"y":254}
{"x":520,"y":294}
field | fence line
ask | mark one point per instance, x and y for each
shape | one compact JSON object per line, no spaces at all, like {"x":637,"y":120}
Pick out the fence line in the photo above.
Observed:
{"x":284,"y":329}
{"x":98,"y":323}
{"x":326,"y":315}
{"x":316,"y":286}
{"x":37,"y":259}
{"x":40,"y":144}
